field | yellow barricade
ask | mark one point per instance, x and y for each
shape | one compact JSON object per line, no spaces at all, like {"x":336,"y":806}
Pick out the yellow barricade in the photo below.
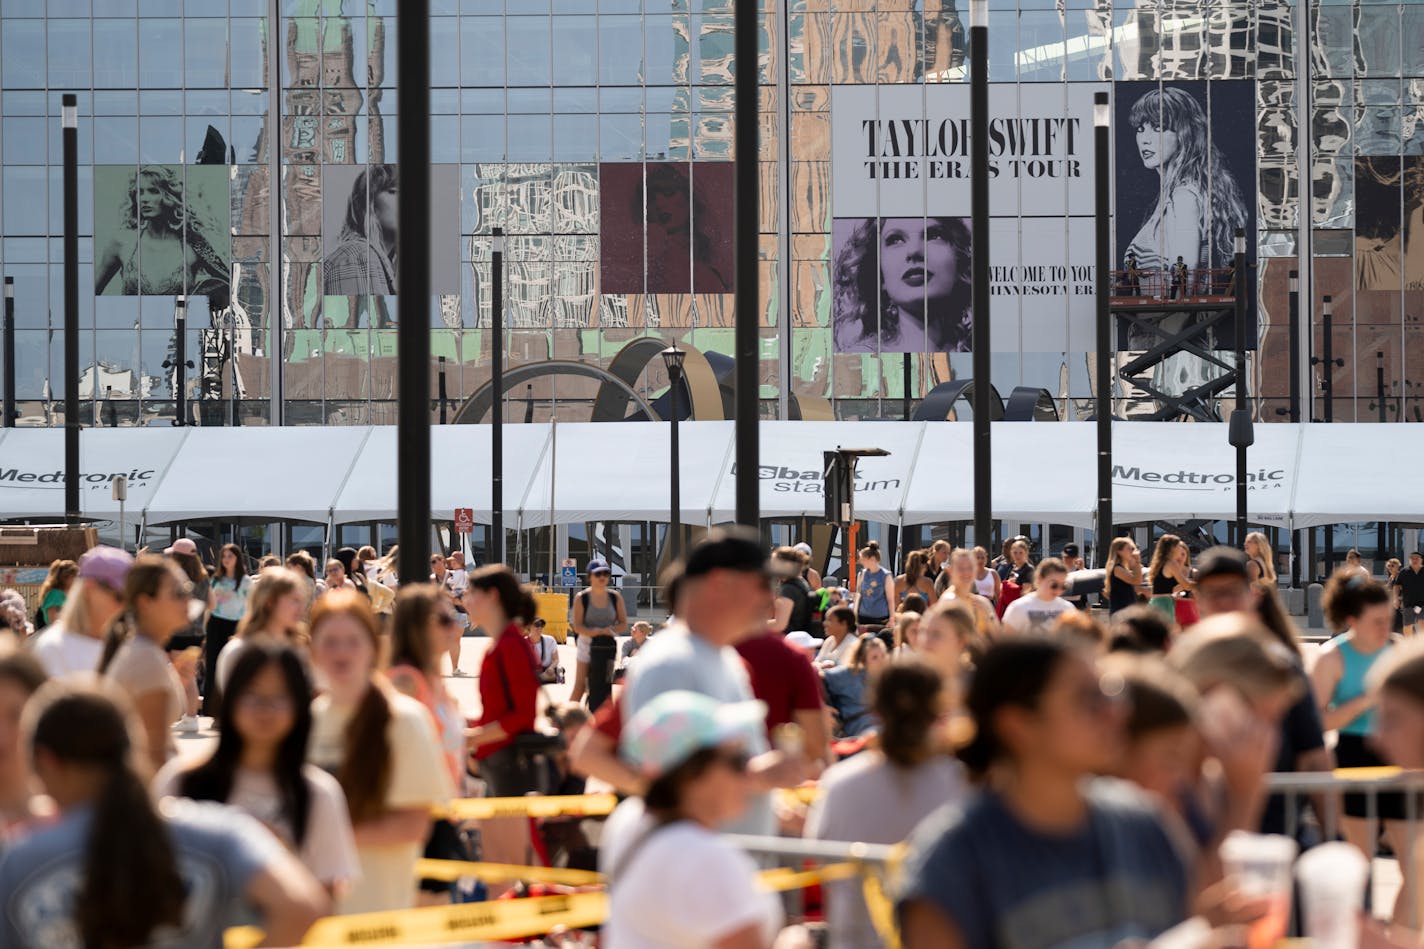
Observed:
{"x":451,"y":870}
{"x":515,"y":919}
{"x":464,"y":922}
{"x":485,"y":808}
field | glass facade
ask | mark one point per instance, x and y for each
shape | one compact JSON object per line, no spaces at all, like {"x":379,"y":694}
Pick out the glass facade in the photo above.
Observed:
{"x":241,"y":152}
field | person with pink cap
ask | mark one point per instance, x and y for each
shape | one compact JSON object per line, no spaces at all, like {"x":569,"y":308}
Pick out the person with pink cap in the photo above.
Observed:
{"x":74,"y":642}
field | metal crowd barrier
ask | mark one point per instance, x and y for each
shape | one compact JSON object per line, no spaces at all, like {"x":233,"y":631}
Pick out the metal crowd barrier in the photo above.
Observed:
{"x":1314,"y":813}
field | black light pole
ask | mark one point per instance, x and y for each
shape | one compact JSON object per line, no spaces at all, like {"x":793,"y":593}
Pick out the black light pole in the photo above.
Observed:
{"x":496,"y":553}
{"x":1379,"y":385}
{"x":1294,"y":411}
{"x":909,"y":371}
{"x":979,"y":248}
{"x":672,"y":359}
{"x":413,"y":280}
{"x":70,"y":120}
{"x":180,"y":353}
{"x":1328,"y":360}
{"x":444,"y":413}
{"x":747,"y":303}
{"x":1102,"y":191}
{"x":9,"y":410}
{"x":1294,"y":317}
{"x":233,"y":404}
{"x":1241,"y":434}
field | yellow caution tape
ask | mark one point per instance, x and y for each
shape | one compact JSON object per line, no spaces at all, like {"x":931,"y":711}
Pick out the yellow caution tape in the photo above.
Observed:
{"x":1381,"y":773}
{"x":464,"y":922}
{"x":781,"y":879}
{"x":513,"y":919}
{"x":801,"y":795}
{"x":485,"y":808}
{"x":450,"y":870}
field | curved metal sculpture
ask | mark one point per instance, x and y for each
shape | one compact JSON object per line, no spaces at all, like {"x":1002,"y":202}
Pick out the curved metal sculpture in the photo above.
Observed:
{"x":478,"y":405}
{"x":940,"y":401}
{"x":1028,"y":404}
{"x":699,"y":380}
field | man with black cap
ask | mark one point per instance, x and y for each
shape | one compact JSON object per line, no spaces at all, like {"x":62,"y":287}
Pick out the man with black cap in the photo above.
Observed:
{"x":1224,"y":586}
{"x":1073,"y":560}
{"x":1224,"y":583}
{"x":724,"y":597}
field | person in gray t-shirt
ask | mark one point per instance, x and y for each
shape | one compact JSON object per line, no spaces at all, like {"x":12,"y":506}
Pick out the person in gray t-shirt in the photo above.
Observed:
{"x":724,"y":597}
{"x":113,"y":870}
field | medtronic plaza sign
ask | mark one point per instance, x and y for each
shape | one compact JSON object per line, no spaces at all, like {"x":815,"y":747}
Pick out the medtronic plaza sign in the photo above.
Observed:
{"x":1185,"y":480}
{"x":16,"y":477}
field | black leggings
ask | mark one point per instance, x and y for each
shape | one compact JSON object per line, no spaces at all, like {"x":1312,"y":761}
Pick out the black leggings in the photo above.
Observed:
{"x":219,"y":632}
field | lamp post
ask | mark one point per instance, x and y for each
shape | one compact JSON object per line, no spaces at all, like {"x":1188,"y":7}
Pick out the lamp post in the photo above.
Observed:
{"x":1294,"y":317}
{"x":979,"y":248}
{"x":444,"y":412}
{"x":747,"y":300}
{"x":672,"y":359}
{"x":70,"y":123}
{"x":496,"y":553}
{"x":180,"y":352}
{"x":413,"y":279}
{"x":9,"y":420}
{"x":1241,"y":434}
{"x":1102,"y":191}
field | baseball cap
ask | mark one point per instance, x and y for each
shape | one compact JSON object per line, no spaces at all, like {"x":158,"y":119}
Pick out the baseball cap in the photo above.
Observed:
{"x":108,"y":565}
{"x":598,"y":565}
{"x":804,"y":547}
{"x":1070,"y":550}
{"x":183,"y":545}
{"x":539,"y":621}
{"x":734,"y":549}
{"x":676,"y":725}
{"x":803,"y":639}
{"x":1222,"y":562}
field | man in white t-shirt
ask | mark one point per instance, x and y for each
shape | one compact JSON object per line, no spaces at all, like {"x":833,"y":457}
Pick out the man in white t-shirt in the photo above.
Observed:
{"x":1039,"y":611}
{"x":97,"y":597}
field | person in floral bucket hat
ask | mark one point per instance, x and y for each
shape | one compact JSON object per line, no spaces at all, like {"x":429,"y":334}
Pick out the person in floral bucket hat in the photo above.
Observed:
{"x":673,"y":880}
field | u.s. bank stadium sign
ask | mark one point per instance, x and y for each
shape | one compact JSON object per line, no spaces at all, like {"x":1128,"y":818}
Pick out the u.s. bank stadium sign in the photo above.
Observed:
{"x":796,"y":481}
{"x":93,"y":480}
{"x":1185,"y":480}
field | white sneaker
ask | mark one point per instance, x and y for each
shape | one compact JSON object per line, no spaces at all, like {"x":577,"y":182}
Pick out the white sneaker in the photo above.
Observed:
{"x":189,"y":724}
{"x":460,"y":674}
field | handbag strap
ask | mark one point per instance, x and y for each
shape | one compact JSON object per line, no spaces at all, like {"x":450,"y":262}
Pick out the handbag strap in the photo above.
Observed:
{"x":508,"y":694}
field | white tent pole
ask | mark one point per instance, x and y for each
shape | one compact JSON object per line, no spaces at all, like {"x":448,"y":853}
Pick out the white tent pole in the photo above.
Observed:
{"x":1295,"y":478}
{"x":910,"y":474}
{"x":355,"y":459}
{"x":726,"y":470}
{"x":543,"y":450}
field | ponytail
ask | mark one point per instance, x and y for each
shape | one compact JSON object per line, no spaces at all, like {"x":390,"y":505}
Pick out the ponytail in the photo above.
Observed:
{"x":366,"y":760}
{"x":131,"y":886}
{"x":121,"y":630}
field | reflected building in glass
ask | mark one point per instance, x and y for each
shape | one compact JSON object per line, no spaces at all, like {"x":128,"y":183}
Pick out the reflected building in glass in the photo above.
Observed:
{"x":241,"y":153}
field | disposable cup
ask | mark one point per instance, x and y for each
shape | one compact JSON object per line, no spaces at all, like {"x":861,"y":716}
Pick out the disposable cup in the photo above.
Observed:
{"x":1332,"y":892}
{"x":1261,"y":866}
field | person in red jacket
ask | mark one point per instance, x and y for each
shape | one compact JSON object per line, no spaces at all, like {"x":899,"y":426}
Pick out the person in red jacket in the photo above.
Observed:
{"x":509,"y":682}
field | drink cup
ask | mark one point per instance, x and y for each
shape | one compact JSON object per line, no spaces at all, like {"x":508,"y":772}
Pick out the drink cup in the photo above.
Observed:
{"x":1332,"y":890}
{"x":1261,"y":866}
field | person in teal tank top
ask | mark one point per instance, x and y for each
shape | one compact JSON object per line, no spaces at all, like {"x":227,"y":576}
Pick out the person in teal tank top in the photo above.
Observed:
{"x":1362,"y":608}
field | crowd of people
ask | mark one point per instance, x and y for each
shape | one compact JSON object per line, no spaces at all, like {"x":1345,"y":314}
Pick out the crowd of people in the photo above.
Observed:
{"x":1059,"y":773}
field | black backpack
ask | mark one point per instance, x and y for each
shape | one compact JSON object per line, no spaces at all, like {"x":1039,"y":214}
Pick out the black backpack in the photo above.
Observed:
{"x":602,"y":657}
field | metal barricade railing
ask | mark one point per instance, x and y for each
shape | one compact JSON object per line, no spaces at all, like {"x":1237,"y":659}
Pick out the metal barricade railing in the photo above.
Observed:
{"x":856,"y":875}
{"x":1315,"y":804}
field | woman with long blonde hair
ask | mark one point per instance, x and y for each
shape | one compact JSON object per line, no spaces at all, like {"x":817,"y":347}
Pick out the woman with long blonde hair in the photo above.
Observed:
{"x":1124,"y":574}
{"x":1262,"y":559}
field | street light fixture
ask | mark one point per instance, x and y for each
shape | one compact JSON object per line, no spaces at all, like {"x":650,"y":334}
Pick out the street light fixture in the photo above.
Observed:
{"x":9,"y":409}
{"x":673,"y":359}
{"x":1240,"y":431}
{"x":70,"y":122}
{"x":979,"y":249}
{"x":1101,"y":193}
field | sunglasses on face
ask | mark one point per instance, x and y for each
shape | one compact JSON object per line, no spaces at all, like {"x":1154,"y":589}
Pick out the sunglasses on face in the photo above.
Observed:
{"x":181,"y":591}
{"x":602,"y":574}
{"x":1055,"y":585}
{"x":447,"y":620}
{"x":737,"y":761}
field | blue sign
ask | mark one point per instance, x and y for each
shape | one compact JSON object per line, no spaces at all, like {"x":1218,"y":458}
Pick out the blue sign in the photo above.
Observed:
{"x":568,"y":577}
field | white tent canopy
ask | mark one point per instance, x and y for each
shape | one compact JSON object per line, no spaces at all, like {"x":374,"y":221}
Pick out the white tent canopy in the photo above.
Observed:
{"x":1300,"y":475}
